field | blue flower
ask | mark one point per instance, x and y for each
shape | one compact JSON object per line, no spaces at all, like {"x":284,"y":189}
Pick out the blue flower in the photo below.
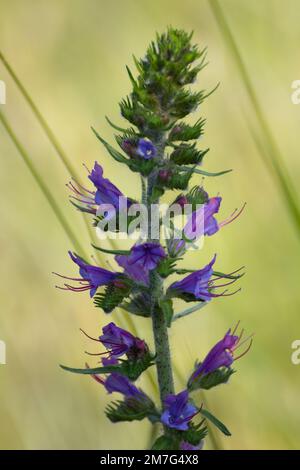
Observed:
{"x":146,"y":149}
{"x":142,"y":259}
{"x":91,"y":278}
{"x":119,"y":342}
{"x":222,"y":354}
{"x":196,"y":284}
{"x":178,"y":412}
{"x":106,"y":193}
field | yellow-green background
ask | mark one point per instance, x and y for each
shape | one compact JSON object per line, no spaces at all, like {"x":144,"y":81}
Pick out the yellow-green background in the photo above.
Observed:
{"x":71,"y":55}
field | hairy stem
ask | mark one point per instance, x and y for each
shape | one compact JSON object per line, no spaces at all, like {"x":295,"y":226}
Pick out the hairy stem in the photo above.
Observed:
{"x":159,"y":324}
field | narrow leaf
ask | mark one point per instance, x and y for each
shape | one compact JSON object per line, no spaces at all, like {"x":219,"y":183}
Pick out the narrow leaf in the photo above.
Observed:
{"x":216,"y":422}
{"x":188,"y":311}
{"x":114,"y":153}
{"x":206,"y":173}
{"x":112,"y":252}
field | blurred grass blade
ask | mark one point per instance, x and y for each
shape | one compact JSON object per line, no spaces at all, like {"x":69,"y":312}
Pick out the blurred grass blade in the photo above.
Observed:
{"x":128,"y":320}
{"x":45,"y":126}
{"x":43,"y":187}
{"x":39,"y":117}
{"x":271,"y":154}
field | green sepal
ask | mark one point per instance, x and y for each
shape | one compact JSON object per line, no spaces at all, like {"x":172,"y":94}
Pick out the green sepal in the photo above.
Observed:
{"x":167,"y":267}
{"x":185,"y":132}
{"x":208,"y":381}
{"x":215,"y":421}
{"x":138,"y":305}
{"x":187,"y":155}
{"x":194,"y":435}
{"x":165,"y":443}
{"x":131,"y":409}
{"x":113,"y":295}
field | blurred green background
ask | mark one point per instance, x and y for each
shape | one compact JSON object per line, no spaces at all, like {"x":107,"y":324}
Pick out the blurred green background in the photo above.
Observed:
{"x":71,"y":56}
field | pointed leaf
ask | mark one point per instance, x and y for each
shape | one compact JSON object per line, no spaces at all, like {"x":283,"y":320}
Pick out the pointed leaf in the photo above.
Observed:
{"x":114,"y":153}
{"x":207,"y":173}
{"x":216,"y":422}
{"x":113,"y":252}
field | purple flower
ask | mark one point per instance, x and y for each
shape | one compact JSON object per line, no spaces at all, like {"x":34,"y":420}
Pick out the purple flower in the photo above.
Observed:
{"x":184,"y":445}
{"x":134,"y":271}
{"x":203,"y":222}
{"x":147,"y":255}
{"x":91,"y":278}
{"x":222,"y":354}
{"x":119,"y":383}
{"x":142,"y":259}
{"x":118,"y":342}
{"x":178,"y":412}
{"x":146,"y":149}
{"x":199,"y":285}
{"x":106,"y":193}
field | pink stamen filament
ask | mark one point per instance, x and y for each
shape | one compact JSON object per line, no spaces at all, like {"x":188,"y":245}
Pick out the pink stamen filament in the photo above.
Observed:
{"x":67,"y":277}
{"x":82,"y":187}
{"x":88,"y":336}
{"x":232,"y":217}
{"x":245,"y":352}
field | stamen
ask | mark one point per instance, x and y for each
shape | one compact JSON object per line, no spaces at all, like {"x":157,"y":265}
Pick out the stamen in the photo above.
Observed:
{"x":84,"y":165}
{"x":245,"y":352}
{"x":236,"y":327}
{"x":88,"y":336}
{"x":243,"y":342}
{"x":95,"y":354}
{"x":78,"y":289}
{"x":232,"y":217}
{"x":82,"y":187}
{"x":66,"y":277}
{"x":94,"y":376}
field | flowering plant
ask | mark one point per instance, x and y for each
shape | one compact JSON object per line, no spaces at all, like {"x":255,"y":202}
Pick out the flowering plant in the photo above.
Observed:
{"x":162,"y":149}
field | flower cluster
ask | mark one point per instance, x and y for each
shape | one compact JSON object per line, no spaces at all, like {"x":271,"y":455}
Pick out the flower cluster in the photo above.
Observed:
{"x":163,"y":150}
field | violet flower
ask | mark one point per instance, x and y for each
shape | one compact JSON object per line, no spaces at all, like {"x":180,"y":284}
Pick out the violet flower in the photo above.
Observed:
{"x":203,"y":222}
{"x":178,"y":412}
{"x":147,"y":255}
{"x":222,"y":354}
{"x":91,"y":278}
{"x":146,"y":149}
{"x":199,"y":285}
{"x":106,"y":193}
{"x":117,"y":343}
{"x":119,"y":383}
{"x":134,"y":271}
{"x":142,"y":259}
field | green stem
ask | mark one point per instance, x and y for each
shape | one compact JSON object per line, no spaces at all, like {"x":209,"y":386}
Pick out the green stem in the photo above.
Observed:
{"x":159,"y":324}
